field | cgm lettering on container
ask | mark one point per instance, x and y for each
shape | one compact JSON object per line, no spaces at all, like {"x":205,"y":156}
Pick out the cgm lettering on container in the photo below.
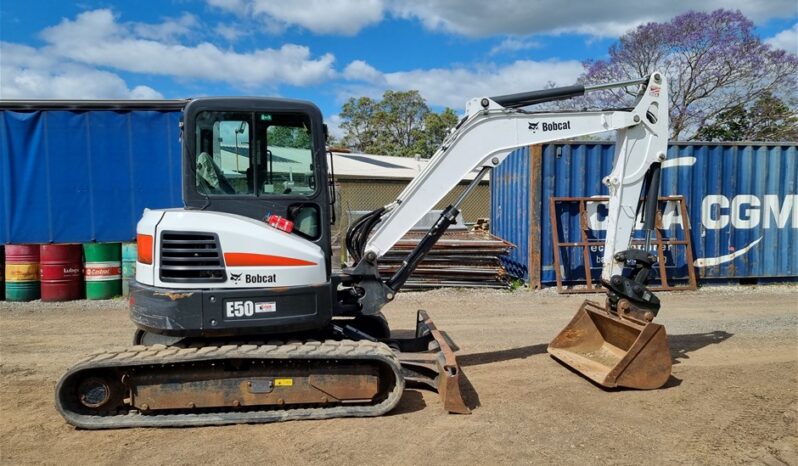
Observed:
{"x":745,"y":211}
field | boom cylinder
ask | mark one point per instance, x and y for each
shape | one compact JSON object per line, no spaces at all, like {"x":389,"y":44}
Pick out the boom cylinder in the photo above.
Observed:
{"x":650,"y":202}
{"x":447,"y":218}
{"x":524,"y":99}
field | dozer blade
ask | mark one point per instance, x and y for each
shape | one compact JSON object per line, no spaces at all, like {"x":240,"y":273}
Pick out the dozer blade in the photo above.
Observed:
{"x":429,"y":360}
{"x":614,"y":351}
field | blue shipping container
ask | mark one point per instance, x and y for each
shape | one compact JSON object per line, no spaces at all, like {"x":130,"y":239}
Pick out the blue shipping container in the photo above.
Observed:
{"x":78,"y":175}
{"x":742,"y":201}
{"x":510,"y":213}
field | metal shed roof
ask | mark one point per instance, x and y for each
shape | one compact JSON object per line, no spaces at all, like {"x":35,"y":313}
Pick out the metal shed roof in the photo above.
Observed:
{"x":370,"y":166}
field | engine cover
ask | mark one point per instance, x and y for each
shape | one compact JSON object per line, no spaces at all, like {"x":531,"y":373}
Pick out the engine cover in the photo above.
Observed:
{"x":195,"y":249}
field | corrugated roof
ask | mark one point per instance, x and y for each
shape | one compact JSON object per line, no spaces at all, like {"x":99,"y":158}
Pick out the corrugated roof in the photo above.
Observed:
{"x":347,"y":165}
{"x":370,"y":166}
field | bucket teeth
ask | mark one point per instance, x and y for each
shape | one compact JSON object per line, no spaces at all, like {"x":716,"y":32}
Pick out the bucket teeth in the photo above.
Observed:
{"x":613,"y":351}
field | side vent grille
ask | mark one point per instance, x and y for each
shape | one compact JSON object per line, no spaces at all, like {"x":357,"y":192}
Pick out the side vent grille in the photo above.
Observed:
{"x":191,"y":257}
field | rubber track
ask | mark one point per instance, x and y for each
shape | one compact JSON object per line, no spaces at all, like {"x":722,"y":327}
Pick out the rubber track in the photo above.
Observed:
{"x":161,"y":355}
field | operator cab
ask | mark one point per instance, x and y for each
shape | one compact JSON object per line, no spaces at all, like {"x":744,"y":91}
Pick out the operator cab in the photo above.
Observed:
{"x":258,"y":157}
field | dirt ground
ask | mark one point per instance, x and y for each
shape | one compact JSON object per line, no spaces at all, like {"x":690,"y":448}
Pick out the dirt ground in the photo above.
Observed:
{"x":733,"y":396}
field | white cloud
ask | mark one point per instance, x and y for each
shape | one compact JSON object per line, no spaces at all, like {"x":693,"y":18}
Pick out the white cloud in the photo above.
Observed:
{"x":96,"y":38}
{"x":478,"y":18}
{"x":359,"y":70}
{"x":343,"y":17}
{"x":514,"y":44}
{"x":786,"y":39}
{"x":452,"y":87}
{"x":170,"y":29}
{"x":231,"y":5}
{"x":230,"y":33}
{"x":28,"y":73}
{"x":334,"y":126}
{"x":605,"y":18}
{"x":145,"y":93}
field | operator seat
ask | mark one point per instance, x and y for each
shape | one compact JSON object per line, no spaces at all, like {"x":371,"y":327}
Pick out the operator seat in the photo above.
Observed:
{"x":211,"y":175}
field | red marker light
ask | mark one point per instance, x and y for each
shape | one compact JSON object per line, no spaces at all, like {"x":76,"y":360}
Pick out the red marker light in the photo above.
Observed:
{"x":281,"y":223}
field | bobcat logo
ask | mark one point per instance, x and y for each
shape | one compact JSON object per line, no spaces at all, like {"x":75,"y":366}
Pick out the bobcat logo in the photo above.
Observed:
{"x":533,"y":126}
{"x":235,"y":277}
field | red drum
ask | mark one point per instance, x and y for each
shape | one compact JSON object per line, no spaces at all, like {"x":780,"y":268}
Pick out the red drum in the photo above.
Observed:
{"x":62,"y":272}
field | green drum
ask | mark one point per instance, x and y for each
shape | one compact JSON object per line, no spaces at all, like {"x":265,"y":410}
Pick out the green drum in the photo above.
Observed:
{"x":103,"y":270}
{"x":129,"y":253}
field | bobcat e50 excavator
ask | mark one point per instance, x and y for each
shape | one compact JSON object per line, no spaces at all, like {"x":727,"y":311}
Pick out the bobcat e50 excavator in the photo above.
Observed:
{"x":241,"y":319}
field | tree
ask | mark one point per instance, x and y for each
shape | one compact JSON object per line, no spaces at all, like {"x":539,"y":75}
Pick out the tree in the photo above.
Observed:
{"x":400,"y":124}
{"x":436,"y":127}
{"x":400,"y":120}
{"x":357,"y":117}
{"x":768,"y":119}
{"x":287,"y":136}
{"x":713,"y":61}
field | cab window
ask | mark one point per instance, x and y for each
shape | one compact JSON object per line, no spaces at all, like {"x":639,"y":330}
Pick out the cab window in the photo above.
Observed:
{"x":257,"y":154}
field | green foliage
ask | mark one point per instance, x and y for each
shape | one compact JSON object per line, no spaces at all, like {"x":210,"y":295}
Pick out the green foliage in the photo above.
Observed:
{"x":401,"y":124}
{"x":358,"y":121}
{"x":768,"y":119}
{"x":436,"y":127}
{"x":286,"y":136}
{"x":516,"y":284}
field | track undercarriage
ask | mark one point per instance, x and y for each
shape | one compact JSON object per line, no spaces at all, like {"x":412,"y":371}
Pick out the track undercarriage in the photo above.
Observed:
{"x":194,"y":384}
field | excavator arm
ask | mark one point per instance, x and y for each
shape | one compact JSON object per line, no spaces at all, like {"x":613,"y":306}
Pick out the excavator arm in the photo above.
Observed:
{"x":494,"y":127}
{"x":616,"y":344}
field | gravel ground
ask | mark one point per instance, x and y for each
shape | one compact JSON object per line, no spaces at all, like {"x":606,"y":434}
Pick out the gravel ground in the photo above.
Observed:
{"x":732,"y":399}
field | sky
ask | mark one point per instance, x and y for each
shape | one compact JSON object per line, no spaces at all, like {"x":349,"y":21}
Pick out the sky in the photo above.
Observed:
{"x":325,"y":51}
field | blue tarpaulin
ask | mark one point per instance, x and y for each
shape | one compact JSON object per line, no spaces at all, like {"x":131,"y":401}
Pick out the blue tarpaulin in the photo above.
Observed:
{"x":79,"y":176}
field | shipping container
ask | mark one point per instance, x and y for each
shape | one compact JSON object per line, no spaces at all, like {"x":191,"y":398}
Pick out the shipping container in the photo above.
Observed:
{"x":74,"y":172}
{"x":510,"y":209}
{"x":742,"y":201}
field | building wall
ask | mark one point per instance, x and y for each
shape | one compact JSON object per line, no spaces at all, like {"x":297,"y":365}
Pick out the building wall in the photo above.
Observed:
{"x":363,"y":194}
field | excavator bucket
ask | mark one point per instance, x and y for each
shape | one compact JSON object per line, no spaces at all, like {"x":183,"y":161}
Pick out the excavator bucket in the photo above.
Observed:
{"x":614,"y":351}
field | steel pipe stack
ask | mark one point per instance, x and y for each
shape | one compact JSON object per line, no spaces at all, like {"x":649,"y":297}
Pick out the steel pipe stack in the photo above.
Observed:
{"x":460,"y":259}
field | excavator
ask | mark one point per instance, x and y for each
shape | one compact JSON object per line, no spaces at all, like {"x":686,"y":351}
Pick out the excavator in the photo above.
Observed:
{"x":241,"y":317}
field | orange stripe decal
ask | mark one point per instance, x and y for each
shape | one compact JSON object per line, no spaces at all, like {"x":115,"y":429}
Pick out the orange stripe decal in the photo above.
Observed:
{"x":245,"y":259}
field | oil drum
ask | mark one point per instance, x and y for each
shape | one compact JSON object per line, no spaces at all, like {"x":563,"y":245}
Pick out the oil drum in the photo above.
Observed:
{"x":129,"y":253}
{"x":61,"y":272}
{"x":103,"y":270}
{"x":22,"y":272}
{"x":2,"y":272}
